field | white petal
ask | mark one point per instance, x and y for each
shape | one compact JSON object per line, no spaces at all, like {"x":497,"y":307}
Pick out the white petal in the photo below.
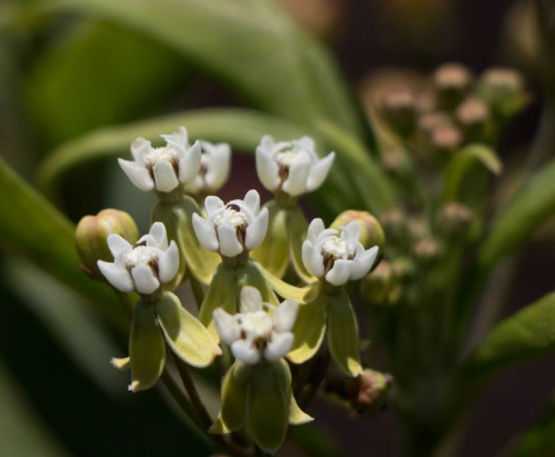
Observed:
{"x":306,"y":143}
{"x":229,"y":244}
{"x":243,"y":350}
{"x":189,"y":163}
{"x":205,"y":232}
{"x":295,"y":184}
{"x":164,"y":176}
{"x":319,"y":172}
{"x":315,"y":227}
{"x":267,"y":169}
{"x":256,"y":231}
{"x":178,"y":139}
{"x":158,"y":233}
{"x":312,"y":259}
{"x":227,"y":327}
{"x":340,"y":272}
{"x":138,"y":148}
{"x":267,"y":142}
{"x":144,"y":279}
{"x":218,"y":166}
{"x":117,"y":276}
{"x":251,"y":300}
{"x":279,"y":346}
{"x":137,"y":174}
{"x":117,"y":244}
{"x":252,"y":200}
{"x":285,"y":315}
{"x":362,"y":263}
{"x":168,"y":263}
{"x":351,"y":232}
{"x":212,"y":204}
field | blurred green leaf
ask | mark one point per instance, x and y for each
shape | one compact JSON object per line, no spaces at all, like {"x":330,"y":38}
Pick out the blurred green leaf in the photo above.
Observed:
{"x":526,"y":335}
{"x":513,"y":225}
{"x":98,"y":74}
{"x":462,"y":164}
{"x":251,"y":45}
{"x":31,"y":227}
{"x":22,"y":434}
{"x":539,"y":441}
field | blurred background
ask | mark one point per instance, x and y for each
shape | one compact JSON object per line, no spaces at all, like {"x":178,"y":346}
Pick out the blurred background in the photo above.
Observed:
{"x":66,"y":74}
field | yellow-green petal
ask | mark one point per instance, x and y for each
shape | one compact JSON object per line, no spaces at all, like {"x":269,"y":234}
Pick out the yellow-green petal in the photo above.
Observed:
{"x":177,"y":217}
{"x":147,"y":348}
{"x":273,"y":253}
{"x":297,"y":227}
{"x":296,"y":415}
{"x":343,"y":336}
{"x":268,"y":399}
{"x":185,"y":335}
{"x":222,"y":293}
{"x":285,"y":290}
{"x":309,"y":330}
{"x":251,"y":275}
{"x":234,"y":400}
{"x":122,"y":364}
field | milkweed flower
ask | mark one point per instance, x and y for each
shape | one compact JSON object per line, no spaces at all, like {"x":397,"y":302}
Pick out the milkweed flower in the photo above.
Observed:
{"x":164,"y":168}
{"x":253,"y":334}
{"x":145,"y":267}
{"x":292,"y":167}
{"x":214,"y":169}
{"x":233,"y":228}
{"x":336,"y":254}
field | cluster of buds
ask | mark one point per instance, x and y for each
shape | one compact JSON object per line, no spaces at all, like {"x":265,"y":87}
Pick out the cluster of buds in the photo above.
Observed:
{"x":245,"y":303}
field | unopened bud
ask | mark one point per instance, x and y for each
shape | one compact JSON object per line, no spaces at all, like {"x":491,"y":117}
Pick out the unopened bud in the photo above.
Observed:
{"x":446,"y":139}
{"x":394,"y":223}
{"x":455,"y":219}
{"x":472,"y":112}
{"x":452,"y":82}
{"x":371,"y":232}
{"x":381,"y":287}
{"x":418,"y":228}
{"x":92,"y":233}
{"x":396,"y":162}
{"x":427,"y":250}
{"x":403,"y":269}
{"x":398,"y":109}
{"x":503,"y":90}
{"x":368,"y":392}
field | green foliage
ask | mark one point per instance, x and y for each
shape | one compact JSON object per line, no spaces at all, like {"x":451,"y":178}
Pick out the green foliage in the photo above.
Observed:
{"x":528,"y":334}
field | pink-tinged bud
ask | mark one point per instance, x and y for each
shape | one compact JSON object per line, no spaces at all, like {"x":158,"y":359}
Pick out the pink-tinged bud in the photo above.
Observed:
{"x":455,"y":220}
{"x":398,"y":110}
{"x":394,"y":223}
{"x":452,"y":82}
{"x":427,"y":251}
{"x":92,"y":233}
{"x":371,"y":232}
{"x":446,"y":139}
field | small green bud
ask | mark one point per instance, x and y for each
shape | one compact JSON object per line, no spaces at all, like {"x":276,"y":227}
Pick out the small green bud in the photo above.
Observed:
{"x":381,"y":287}
{"x":398,"y":110}
{"x":503,"y":90}
{"x":371,"y":233}
{"x":452,"y":82}
{"x":455,"y":220}
{"x":394,"y":223}
{"x":427,"y":250}
{"x":403,"y":269}
{"x":92,"y":233}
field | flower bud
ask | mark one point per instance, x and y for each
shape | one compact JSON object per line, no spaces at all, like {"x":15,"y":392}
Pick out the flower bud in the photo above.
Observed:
{"x":394,"y":223}
{"x":371,"y":232}
{"x":403,"y":269}
{"x":455,"y":220}
{"x":381,"y":287}
{"x":473,"y":115}
{"x":503,"y":90}
{"x":427,"y":250}
{"x":452,"y":82}
{"x":398,"y":110}
{"x":396,"y":162}
{"x":92,"y":233}
{"x":446,"y":139}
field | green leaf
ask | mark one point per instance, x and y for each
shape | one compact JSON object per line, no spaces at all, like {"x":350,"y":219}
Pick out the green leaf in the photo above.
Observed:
{"x":98,"y":74}
{"x":186,"y":336}
{"x":309,"y":330}
{"x":343,"y":336}
{"x":268,"y":399}
{"x":462,"y":164}
{"x":147,"y":348}
{"x":32,"y":228}
{"x":251,"y":45}
{"x":512,"y":226}
{"x":241,"y":128}
{"x":233,"y":410}
{"x":273,"y":253}
{"x":526,"y":335}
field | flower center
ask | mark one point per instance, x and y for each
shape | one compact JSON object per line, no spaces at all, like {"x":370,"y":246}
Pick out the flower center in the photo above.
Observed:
{"x":287,"y":158}
{"x":155,"y":155}
{"x":257,"y":325}
{"x":144,"y":255}
{"x":232,"y":215}
{"x":338,"y":248}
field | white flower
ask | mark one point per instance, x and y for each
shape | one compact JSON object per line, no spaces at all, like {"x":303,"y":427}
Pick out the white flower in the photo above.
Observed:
{"x":233,"y":228}
{"x":253,"y":334}
{"x":214,"y":169}
{"x":144,"y":267}
{"x":165,"y":168}
{"x":291,"y":167}
{"x":339,"y":257}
